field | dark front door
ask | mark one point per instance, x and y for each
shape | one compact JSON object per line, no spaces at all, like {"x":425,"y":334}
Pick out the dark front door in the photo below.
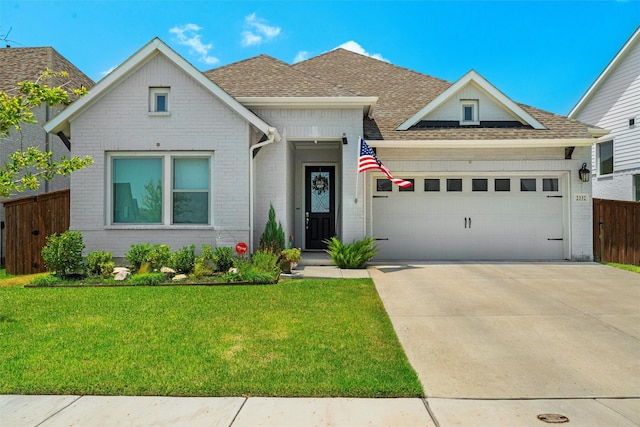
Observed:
{"x":320,"y":205}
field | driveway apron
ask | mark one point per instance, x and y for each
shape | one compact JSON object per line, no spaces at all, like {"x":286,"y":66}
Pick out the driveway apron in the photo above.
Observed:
{"x":517,"y":330}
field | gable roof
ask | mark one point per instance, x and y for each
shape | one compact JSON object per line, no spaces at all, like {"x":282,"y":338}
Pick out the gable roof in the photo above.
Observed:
{"x":25,"y":64}
{"x":154,"y":47}
{"x":602,"y":78}
{"x":477,"y":80}
{"x":402,"y":93}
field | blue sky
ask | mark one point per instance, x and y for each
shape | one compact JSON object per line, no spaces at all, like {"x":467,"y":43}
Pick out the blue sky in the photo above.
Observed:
{"x":541,"y":53}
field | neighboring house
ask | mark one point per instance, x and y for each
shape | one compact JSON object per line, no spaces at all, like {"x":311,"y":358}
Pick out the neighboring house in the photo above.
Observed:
{"x":25,"y":64}
{"x":613,"y":102}
{"x":184,"y":157}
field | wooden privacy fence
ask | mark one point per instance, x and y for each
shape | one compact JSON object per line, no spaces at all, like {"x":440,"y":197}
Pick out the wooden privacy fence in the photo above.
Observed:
{"x":29,"y":221}
{"x":616,"y":231}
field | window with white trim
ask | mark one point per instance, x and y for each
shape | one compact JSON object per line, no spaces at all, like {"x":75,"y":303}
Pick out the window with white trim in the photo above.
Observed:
{"x":159,"y":100}
{"x":469,"y":112}
{"x":160,"y":189}
{"x":605,"y":158}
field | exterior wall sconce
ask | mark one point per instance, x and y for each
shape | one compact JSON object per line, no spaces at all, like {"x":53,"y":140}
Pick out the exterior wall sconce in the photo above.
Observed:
{"x":584,"y":173}
{"x":344,"y":139}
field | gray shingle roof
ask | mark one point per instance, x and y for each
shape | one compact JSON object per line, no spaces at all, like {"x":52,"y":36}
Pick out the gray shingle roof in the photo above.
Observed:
{"x":25,"y":64}
{"x":401,"y":94}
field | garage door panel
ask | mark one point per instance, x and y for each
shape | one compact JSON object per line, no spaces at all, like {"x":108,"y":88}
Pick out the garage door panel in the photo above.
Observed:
{"x":469,"y":225}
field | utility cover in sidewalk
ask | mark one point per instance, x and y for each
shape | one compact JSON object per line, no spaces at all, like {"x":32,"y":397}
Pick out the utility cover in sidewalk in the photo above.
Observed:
{"x":553,"y":418}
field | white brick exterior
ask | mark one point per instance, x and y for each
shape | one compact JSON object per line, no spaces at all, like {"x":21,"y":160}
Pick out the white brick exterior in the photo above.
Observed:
{"x":120,"y":121}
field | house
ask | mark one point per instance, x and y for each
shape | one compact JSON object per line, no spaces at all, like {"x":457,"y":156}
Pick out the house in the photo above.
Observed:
{"x":25,"y":64}
{"x":184,"y":157}
{"x":613,"y":102}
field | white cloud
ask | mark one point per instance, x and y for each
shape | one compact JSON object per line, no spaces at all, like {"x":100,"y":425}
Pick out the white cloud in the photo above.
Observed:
{"x":258,"y":31}
{"x":107,"y":72}
{"x":301,"y":56}
{"x":355,"y":47}
{"x":187,"y":35}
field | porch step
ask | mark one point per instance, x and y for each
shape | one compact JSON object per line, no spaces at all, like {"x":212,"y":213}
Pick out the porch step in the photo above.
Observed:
{"x":315,"y":258}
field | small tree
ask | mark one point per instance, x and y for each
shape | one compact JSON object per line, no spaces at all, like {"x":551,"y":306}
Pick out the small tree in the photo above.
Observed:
{"x":27,"y":169}
{"x":272,"y":238}
{"x":62,"y":254}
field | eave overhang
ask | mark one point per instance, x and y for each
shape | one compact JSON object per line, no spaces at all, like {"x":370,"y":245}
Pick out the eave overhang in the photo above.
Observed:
{"x":480,"y":143}
{"x":367,"y":102}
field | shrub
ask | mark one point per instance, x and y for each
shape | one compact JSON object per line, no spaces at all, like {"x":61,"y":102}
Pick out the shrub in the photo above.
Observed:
{"x":183,"y":260}
{"x":204,"y":264}
{"x":265,"y":262}
{"x":223,"y":258}
{"x":100,"y":263}
{"x":137,"y":254}
{"x":159,"y":256}
{"x":63,"y":254}
{"x":46,"y":280}
{"x":147,"y":279}
{"x":272,"y":238}
{"x":351,"y":255}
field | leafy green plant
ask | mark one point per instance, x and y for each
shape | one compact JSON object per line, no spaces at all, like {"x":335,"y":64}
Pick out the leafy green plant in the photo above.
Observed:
{"x":184,"y":259}
{"x":63,"y":254}
{"x":272,"y":238}
{"x":159,"y":256}
{"x":291,"y":254}
{"x":204,"y":263}
{"x":223,"y":258}
{"x":351,"y":255}
{"x":155,"y":278}
{"x":137,"y":254}
{"x":46,"y":280}
{"x":100,"y":263}
{"x":265,"y":261}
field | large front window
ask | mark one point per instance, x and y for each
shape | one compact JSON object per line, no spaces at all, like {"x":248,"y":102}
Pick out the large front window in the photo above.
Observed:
{"x":160,"y":189}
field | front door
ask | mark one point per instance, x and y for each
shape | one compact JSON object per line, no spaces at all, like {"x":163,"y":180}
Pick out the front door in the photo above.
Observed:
{"x":320,"y":205}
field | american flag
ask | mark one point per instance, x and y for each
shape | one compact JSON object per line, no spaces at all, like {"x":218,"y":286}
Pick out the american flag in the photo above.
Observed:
{"x":369,"y":161}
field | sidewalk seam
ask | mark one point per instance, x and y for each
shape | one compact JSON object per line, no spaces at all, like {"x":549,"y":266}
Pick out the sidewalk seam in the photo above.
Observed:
{"x":237,"y":413}
{"x":430,"y":412}
{"x":58,"y":411}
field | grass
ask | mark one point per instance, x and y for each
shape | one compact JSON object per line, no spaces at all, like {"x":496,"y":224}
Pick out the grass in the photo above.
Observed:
{"x":629,"y":267}
{"x":7,"y":280}
{"x":298,"y":338}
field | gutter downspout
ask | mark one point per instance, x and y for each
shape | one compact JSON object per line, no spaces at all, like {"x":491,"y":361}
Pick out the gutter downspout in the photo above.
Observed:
{"x":272,"y":136}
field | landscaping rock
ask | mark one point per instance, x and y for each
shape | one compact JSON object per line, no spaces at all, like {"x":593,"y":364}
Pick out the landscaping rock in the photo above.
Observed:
{"x":121,"y":273}
{"x":168,"y":271}
{"x":178,"y":277}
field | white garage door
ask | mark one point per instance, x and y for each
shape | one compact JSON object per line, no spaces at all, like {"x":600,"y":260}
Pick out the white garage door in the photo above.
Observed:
{"x":470,"y":218}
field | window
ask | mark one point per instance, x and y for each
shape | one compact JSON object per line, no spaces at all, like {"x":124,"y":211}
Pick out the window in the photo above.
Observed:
{"x":502,"y":184}
{"x":605,"y":158}
{"x":160,"y":189}
{"x":636,"y":184}
{"x":454,"y":184}
{"x":528,"y":184}
{"x":383,"y":185}
{"x":550,"y":184}
{"x":407,"y":188}
{"x":159,"y":100}
{"x":469,"y":112}
{"x":479,"y":184}
{"x":431,"y":184}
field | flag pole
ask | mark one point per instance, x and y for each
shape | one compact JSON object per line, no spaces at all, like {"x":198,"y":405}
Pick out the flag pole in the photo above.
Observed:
{"x":357,"y":173}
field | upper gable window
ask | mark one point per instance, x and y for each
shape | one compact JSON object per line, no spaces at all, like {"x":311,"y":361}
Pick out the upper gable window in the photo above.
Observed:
{"x":159,"y":100}
{"x":469,"y":112}
{"x":605,"y":158}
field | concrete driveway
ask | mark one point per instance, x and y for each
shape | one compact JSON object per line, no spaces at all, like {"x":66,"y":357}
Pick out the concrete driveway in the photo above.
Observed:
{"x":518,"y":330}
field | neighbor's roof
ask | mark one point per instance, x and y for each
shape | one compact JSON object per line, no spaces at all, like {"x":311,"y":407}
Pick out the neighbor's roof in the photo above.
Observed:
{"x":25,"y":64}
{"x":400,"y":92}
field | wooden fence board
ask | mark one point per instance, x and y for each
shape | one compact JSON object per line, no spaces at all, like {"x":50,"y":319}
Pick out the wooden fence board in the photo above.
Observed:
{"x":616,"y":231}
{"x":29,"y":221}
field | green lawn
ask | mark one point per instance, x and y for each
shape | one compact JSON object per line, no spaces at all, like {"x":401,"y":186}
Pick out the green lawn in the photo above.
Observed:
{"x":629,"y":267}
{"x":298,"y":338}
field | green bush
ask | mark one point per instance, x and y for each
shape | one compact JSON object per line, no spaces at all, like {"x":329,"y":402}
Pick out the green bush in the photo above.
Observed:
{"x":265,"y":261}
{"x":146,"y":279}
{"x":223,"y":258}
{"x":137,"y":254}
{"x":351,"y":255}
{"x":204,"y":264}
{"x":272,"y":238}
{"x":47,"y":280}
{"x":159,"y":256}
{"x":63,"y":254}
{"x":100,"y":263}
{"x":184,"y":259}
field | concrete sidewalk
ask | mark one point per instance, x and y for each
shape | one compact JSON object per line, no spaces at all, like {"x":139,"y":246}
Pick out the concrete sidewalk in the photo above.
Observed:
{"x":428,"y":308}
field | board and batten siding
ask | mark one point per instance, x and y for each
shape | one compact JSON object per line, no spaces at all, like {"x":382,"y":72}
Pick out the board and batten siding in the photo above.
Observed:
{"x":198,"y":121}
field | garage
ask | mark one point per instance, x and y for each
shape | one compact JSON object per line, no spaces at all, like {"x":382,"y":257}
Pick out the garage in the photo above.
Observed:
{"x":472,"y":217}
